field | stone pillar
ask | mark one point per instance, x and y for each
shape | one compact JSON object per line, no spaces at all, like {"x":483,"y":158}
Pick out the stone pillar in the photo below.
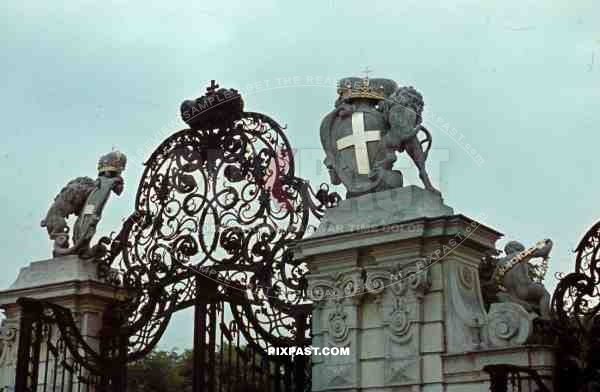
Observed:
{"x":394,"y":278}
{"x":67,"y":281}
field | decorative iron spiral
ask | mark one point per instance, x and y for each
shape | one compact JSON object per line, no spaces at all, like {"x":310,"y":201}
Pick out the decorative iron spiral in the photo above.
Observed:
{"x":577,"y":293}
{"x":224,"y":203}
{"x":576,"y":325}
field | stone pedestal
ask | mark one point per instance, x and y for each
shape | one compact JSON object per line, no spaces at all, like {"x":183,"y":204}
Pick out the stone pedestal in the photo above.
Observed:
{"x":67,"y":281}
{"x":401,"y":290}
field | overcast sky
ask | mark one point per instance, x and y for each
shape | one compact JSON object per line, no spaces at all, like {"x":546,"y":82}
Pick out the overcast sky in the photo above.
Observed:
{"x":518,"y":80}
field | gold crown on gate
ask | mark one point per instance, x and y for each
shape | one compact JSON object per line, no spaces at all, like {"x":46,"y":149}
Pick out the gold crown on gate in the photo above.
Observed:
{"x":114,"y":161}
{"x":353,"y":88}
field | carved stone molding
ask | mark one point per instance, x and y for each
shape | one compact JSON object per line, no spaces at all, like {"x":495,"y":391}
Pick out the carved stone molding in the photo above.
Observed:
{"x":338,"y":327}
{"x":377,"y":279}
{"x":508,"y":324}
{"x":401,"y":317}
{"x":373,"y":280}
{"x":467,"y":278}
{"x":419,"y":280}
{"x":465,"y":311}
{"x":401,"y":310}
{"x":336,"y":286}
{"x":401,"y":371}
{"x":339,"y":375}
{"x":8,"y":346}
{"x":321,"y":289}
{"x":399,"y":291}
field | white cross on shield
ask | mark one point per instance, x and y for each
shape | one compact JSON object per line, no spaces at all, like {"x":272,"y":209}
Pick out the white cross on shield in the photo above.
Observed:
{"x":358,"y":140}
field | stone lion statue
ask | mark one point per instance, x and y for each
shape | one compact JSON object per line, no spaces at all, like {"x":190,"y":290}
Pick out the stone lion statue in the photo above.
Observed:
{"x":404,"y":110}
{"x":70,"y":200}
{"x":85,"y":198}
{"x":374,"y":119}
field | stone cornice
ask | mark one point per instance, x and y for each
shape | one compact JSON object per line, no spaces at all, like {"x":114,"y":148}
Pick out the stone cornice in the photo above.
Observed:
{"x":446,"y":226}
{"x":64,"y":290}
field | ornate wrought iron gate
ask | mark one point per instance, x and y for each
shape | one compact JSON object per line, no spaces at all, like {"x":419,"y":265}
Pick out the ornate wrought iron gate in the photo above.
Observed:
{"x":217,"y":212}
{"x":225,"y":363}
{"x":53,"y":356}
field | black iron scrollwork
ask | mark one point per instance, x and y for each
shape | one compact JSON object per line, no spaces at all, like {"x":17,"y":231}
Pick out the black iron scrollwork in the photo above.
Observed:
{"x":575,"y":307}
{"x":224,"y":203}
{"x":518,"y":378}
{"x":54,"y":355}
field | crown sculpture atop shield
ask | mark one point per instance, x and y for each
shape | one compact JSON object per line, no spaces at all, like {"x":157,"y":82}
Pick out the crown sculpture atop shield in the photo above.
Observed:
{"x":86,"y":198}
{"x":372,"y":120}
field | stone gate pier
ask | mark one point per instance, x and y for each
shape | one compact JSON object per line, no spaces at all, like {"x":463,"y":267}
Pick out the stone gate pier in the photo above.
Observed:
{"x":67,"y":281}
{"x":394,"y":277}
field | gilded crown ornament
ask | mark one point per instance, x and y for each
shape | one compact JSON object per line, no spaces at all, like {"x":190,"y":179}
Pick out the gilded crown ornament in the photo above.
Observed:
{"x":361,"y":89}
{"x":114,"y":161}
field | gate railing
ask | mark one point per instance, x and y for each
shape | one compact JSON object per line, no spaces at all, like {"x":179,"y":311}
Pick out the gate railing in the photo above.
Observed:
{"x":512,"y":378}
{"x":217,"y":202}
{"x":54,"y":356}
{"x":227,"y":357}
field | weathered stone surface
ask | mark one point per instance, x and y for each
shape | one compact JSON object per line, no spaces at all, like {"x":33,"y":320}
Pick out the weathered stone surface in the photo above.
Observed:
{"x":463,"y":372}
{"x":508,"y":324}
{"x":420,"y":329}
{"x":67,"y":281}
{"x":392,"y":208}
{"x":465,"y":313}
{"x":56,"y":270}
{"x":8,"y":355}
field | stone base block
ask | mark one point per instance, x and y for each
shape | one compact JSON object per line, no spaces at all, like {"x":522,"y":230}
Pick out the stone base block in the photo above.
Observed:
{"x":66,"y":281}
{"x":464,"y":372}
{"x":391,"y":207}
{"x":57,"y":270}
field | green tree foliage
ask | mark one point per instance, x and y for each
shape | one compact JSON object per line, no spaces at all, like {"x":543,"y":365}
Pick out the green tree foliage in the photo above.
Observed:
{"x":159,"y":371}
{"x":170,"y":371}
